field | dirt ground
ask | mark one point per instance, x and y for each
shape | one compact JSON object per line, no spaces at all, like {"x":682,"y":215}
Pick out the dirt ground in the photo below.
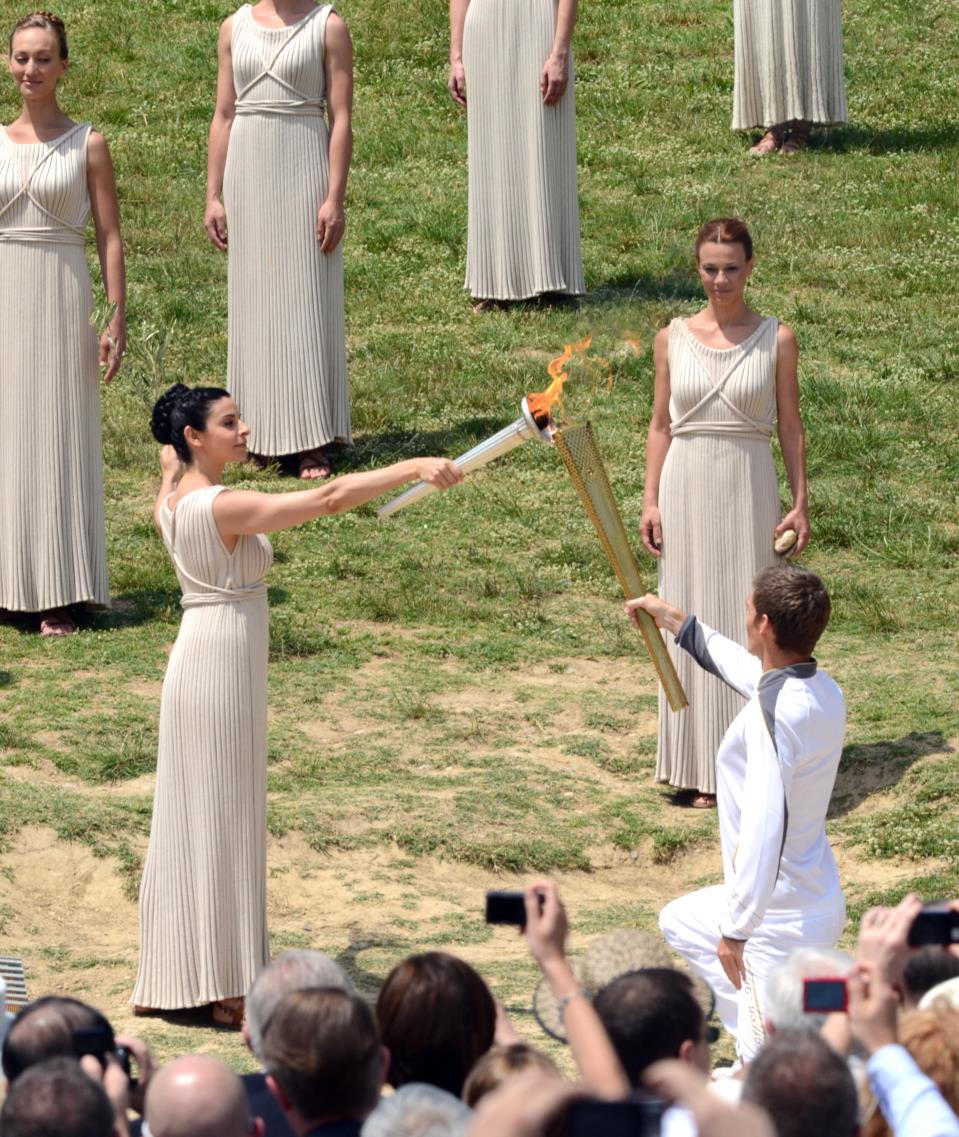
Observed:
{"x":64,"y":911}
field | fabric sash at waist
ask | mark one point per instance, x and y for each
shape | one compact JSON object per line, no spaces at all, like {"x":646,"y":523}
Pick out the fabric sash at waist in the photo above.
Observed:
{"x":730,"y":429}
{"x":314,"y":107}
{"x":43,"y":236}
{"x":224,"y":596}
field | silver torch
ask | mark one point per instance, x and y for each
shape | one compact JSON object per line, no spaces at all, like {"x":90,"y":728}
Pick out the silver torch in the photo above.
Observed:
{"x":525,"y":427}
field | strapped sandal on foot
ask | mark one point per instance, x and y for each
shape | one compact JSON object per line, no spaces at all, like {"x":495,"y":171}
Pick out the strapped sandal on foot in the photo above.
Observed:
{"x":314,"y":465}
{"x":704,"y":801}
{"x":797,"y":139}
{"x":770,"y":142}
{"x":57,"y":622}
{"x":228,"y":1013}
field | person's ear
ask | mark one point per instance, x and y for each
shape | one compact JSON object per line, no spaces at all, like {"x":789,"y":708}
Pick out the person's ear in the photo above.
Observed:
{"x":278,"y":1092}
{"x":686,"y":1049}
{"x":193,"y":436}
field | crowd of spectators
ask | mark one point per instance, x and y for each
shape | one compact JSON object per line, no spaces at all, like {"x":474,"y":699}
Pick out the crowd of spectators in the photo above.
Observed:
{"x":436,"y":1056}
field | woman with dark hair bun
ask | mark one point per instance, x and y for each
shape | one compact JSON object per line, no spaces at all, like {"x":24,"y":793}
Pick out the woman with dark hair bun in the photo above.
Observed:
{"x":54,"y":173}
{"x":711,"y":514}
{"x":203,"y":934}
{"x":436,"y":1017}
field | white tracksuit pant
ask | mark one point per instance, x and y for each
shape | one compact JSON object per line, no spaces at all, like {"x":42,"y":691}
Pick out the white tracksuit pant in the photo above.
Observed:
{"x":690,"y":925}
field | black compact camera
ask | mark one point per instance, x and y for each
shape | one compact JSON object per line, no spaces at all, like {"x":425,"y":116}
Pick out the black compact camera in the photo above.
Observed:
{"x":99,"y":1041}
{"x":635,"y":1117}
{"x":506,"y":907}
{"x":937,"y":923}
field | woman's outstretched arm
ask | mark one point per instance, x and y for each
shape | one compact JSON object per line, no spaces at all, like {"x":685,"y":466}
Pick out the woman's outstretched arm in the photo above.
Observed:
{"x":245,"y":511}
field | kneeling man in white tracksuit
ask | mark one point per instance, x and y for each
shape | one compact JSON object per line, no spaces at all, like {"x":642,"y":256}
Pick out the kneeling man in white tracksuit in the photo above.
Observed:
{"x":775,"y":771}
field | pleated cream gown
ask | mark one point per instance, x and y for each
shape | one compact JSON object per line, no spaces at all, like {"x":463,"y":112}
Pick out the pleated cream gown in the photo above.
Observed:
{"x":719,"y":501}
{"x":203,"y":933}
{"x":286,"y":355}
{"x":788,"y":63}
{"x":52,"y":540}
{"x":523,"y":226}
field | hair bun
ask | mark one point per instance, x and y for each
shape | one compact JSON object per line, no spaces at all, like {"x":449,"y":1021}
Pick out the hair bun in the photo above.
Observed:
{"x":161,"y":423}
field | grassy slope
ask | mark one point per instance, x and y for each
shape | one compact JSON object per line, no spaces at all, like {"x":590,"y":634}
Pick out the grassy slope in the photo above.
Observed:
{"x":395,"y":627}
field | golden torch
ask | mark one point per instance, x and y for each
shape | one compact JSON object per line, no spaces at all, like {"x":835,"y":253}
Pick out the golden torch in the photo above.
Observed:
{"x":577,"y":446}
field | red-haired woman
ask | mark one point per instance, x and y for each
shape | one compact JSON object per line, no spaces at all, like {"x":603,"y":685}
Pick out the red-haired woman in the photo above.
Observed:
{"x":724,"y":379}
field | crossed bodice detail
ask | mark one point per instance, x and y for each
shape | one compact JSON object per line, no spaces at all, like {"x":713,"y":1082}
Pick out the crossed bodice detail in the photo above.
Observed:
{"x":43,"y":188}
{"x":728,"y":391}
{"x":279,"y":70}
{"x":208,"y":572}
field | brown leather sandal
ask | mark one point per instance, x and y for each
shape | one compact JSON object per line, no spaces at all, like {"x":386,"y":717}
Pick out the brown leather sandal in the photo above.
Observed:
{"x":798,"y":138}
{"x":770,"y":142}
{"x":228,"y":1013}
{"x":56,"y":622}
{"x":314,"y":465}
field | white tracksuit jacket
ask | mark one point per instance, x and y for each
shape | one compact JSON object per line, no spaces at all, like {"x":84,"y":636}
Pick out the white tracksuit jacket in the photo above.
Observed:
{"x":775,"y":770}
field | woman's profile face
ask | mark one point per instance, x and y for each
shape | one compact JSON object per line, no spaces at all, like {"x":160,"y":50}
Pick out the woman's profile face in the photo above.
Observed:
{"x":224,"y":437}
{"x":35,"y":62}
{"x":724,"y":269}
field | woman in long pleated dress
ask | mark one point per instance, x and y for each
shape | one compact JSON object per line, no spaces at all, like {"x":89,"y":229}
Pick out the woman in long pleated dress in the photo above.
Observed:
{"x":725,"y":379}
{"x":203,"y":932}
{"x":276,"y":184}
{"x":788,"y":71}
{"x":53,"y":173}
{"x":512,"y":68}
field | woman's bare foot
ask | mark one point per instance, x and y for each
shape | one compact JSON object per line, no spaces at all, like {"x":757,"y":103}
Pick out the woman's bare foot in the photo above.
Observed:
{"x":56,"y":622}
{"x":704,"y":801}
{"x":314,"y":465}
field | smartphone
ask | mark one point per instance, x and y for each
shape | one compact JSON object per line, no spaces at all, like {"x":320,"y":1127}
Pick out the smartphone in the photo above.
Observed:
{"x":823,"y":996}
{"x":506,"y":907}
{"x":935,"y":924}
{"x":632,"y":1118}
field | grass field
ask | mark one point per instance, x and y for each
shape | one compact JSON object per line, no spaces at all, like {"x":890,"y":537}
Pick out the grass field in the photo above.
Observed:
{"x":456,"y":700}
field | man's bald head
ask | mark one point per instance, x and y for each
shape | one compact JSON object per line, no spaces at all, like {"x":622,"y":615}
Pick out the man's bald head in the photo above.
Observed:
{"x":198,"y":1096}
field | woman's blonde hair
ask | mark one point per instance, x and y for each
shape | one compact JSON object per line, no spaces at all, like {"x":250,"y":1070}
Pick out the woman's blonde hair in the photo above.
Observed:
{"x":932,"y":1038}
{"x":42,"y":20}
